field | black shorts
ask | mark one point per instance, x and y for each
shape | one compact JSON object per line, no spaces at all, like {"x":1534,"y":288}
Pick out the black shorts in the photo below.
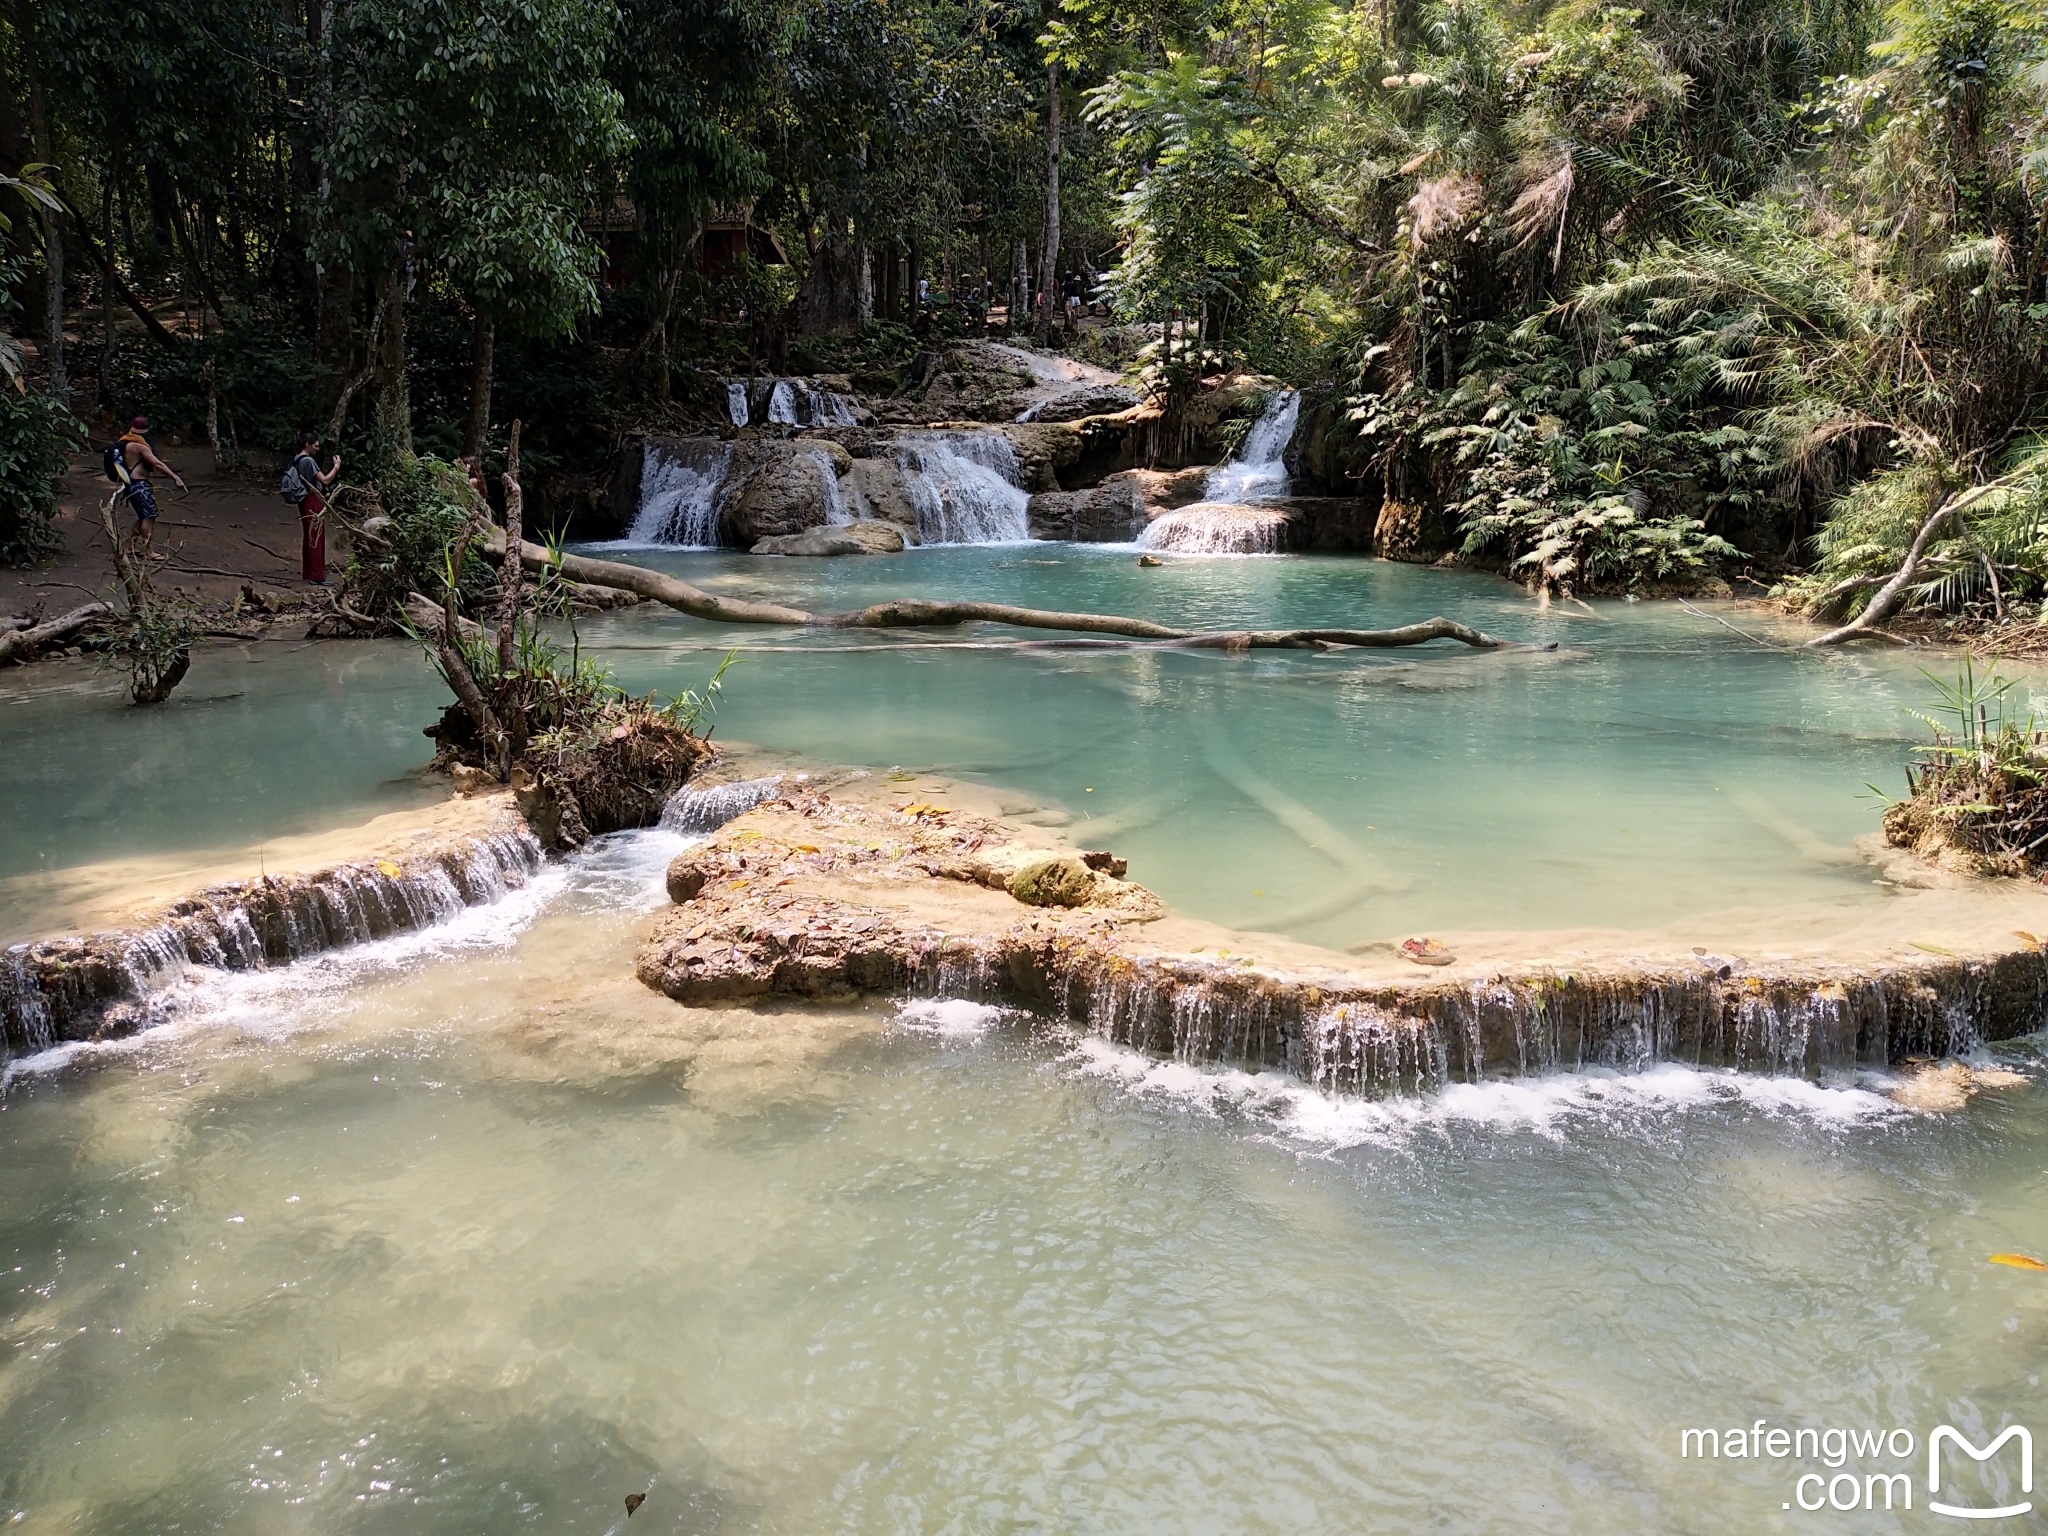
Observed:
{"x":141,"y":501}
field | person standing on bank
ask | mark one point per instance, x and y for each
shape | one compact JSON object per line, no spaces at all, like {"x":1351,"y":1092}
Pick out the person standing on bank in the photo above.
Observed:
{"x":138,"y":458}
{"x":313,"y":507}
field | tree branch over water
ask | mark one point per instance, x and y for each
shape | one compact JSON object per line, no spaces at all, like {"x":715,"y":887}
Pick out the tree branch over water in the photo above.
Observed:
{"x":925,"y":613}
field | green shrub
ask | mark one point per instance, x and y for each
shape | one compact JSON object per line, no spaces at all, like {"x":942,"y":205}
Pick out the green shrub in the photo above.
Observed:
{"x":37,"y":438}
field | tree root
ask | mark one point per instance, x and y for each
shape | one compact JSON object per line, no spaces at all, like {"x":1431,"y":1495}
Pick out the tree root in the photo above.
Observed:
{"x":921,"y":613}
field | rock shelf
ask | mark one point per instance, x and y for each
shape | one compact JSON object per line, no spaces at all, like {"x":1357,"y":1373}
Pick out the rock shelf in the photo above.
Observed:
{"x":835,"y":890}
{"x":409,"y":872}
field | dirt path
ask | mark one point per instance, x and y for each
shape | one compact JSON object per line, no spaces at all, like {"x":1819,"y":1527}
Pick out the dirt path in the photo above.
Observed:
{"x":231,"y":527}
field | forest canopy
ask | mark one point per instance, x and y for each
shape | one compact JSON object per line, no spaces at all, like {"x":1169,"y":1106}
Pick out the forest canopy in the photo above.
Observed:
{"x":1595,"y":294}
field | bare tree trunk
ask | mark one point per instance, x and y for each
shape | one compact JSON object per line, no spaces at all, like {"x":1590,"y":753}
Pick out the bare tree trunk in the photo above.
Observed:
{"x":212,"y":412}
{"x":512,"y":690}
{"x":53,"y":231}
{"x":448,"y":650}
{"x":391,"y":400}
{"x":510,"y":574}
{"x":107,"y":341}
{"x":482,"y":348}
{"x":1893,"y":592}
{"x":369,"y":369}
{"x":1050,"y":279}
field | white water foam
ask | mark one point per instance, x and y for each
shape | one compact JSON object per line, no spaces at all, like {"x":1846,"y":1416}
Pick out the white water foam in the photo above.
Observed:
{"x":1550,"y":1106}
{"x":1205,"y":528}
{"x":952,"y":1017}
{"x":1259,"y":472}
{"x":679,"y":497}
{"x":736,"y":402}
{"x":967,"y":487}
{"x":621,"y":872}
{"x":782,"y":404}
{"x":695,"y":810}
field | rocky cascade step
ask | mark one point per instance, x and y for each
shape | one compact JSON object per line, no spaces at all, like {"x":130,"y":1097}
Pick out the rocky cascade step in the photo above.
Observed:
{"x":105,"y":985}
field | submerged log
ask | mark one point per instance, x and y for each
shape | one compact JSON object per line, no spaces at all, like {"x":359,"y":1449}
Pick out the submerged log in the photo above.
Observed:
{"x":925,"y":613}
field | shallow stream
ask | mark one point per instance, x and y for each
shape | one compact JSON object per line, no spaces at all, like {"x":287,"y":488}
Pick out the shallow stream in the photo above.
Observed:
{"x":468,"y":1231}
{"x":473,"y":1233}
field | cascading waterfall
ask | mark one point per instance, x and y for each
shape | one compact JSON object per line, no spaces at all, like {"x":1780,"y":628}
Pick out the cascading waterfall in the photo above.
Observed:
{"x":679,"y":496}
{"x":824,"y":408}
{"x":782,"y":404}
{"x":838,"y":512}
{"x":694,"y":812}
{"x":113,"y":983}
{"x":1207,"y":529}
{"x":736,"y":402}
{"x":966,"y":486}
{"x":1259,"y":472}
{"x":1389,"y":1041}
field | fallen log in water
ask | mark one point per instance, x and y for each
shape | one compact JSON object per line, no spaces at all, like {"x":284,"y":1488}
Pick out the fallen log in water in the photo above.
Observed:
{"x":923,"y":613}
{"x":21,"y":644}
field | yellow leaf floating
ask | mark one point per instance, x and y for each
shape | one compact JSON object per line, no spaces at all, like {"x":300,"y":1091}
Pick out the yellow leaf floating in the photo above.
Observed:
{"x":2029,"y":939}
{"x":2016,"y":1261}
{"x":389,"y":869}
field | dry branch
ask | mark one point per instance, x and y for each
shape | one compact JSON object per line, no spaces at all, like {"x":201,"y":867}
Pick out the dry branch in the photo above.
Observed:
{"x":1889,"y":596}
{"x":21,"y":644}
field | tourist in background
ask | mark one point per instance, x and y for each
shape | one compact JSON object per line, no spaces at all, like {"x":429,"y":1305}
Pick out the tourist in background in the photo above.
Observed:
{"x":313,"y":508}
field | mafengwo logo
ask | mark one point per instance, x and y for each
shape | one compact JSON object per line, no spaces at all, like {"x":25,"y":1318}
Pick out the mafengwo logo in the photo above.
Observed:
{"x":1844,"y":1490}
{"x":1947,"y":1434}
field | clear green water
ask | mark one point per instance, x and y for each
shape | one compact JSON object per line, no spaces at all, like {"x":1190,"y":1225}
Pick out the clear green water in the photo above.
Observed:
{"x":481,"y":1243}
{"x":262,"y":740}
{"x":469,"y":1232}
{"x":1656,"y":767}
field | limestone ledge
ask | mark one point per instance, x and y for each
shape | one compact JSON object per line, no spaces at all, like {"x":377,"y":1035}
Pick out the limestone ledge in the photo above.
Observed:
{"x":832,"y":891}
{"x":401,"y":872}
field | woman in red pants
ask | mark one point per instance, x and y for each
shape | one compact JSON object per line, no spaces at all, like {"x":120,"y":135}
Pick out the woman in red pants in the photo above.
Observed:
{"x":313,"y":508}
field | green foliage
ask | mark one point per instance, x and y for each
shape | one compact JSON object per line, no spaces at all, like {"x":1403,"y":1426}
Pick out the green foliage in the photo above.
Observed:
{"x":1989,"y":562}
{"x":260,"y":369}
{"x":428,"y":502}
{"x":153,"y":645}
{"x":1980,"y":785}
{"x":37,"y":438}
{"x":1581,"y":476}
{"x":688,"y":709}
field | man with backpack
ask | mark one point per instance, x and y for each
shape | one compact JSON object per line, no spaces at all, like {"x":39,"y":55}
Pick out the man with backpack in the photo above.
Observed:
{"x":128,"y":463}
{"x":304,"y":485}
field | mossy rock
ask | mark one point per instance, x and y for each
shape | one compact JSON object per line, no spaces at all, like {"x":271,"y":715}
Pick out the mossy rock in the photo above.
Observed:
{"x":1060,"y":880}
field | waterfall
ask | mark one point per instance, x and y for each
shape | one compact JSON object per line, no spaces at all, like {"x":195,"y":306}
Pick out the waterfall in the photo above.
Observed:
{"x":694,"y":812}
{"x":966,"y":487}
{"x":837,"y":513}
{"x":789,"y":403}
{"x":1388,"y":1041}
{"x":114,"y":983}
{"x":1259,"y":472}
{"x":679,"y":497}
{"x":823,"y":408}
{"x":1208,"y":529}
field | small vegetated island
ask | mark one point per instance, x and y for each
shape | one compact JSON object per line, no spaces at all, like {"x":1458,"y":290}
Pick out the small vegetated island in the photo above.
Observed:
{"x":1408,"y":575}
